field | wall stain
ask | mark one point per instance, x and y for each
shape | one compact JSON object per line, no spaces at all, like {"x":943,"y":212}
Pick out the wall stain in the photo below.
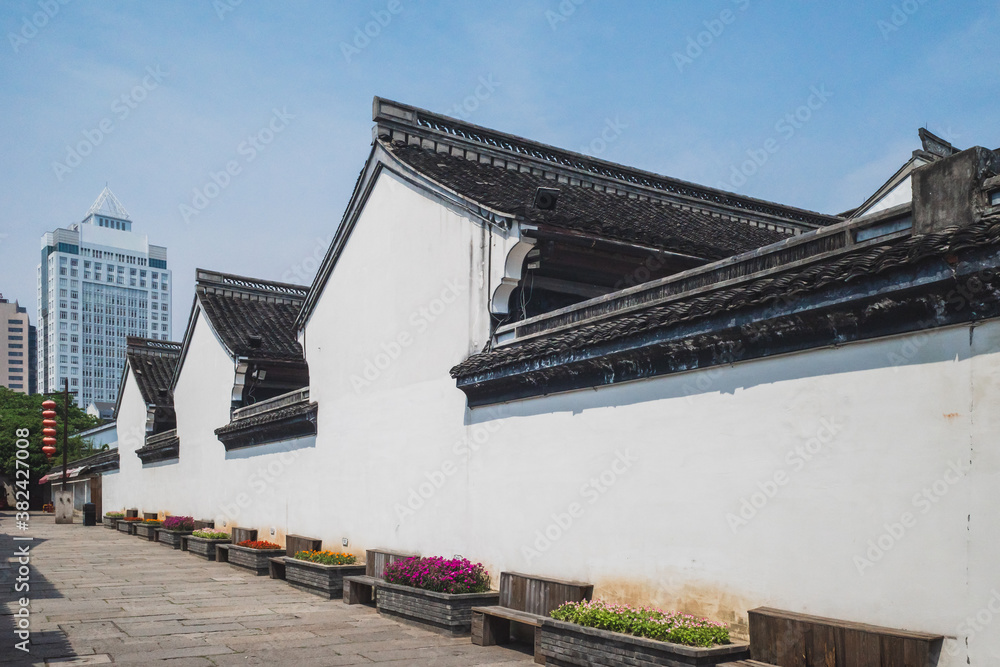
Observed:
{"x":717,"y":604}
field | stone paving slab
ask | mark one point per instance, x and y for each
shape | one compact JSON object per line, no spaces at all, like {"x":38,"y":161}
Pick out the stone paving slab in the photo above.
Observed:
{"x":102,"y":597}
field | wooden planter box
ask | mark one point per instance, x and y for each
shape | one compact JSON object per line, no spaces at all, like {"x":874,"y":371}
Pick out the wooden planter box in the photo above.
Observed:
{"x":325,"y":580}
{"x":255,"y":560}
{"x":172,"y":538}
{"x":127,"y":527}
{"x":449,"y":612}
{"x":204,"y":547}
{"x":146,"y":531}
{"x":111,"y":523}
{"x":563,"y":644}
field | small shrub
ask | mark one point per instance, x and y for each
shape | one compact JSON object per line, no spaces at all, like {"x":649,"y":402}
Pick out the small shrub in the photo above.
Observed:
{"x":178,"y":523}
{"x":648,"y":622}
{"x":457,"y":575}
{"x":326,"y":557}
{"x":211,"y":534}
{"x":258,"y":544}
{"x":115,"y":515}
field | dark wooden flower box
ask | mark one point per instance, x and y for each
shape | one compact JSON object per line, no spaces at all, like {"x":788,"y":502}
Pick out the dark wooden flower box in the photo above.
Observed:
{"x":127,"y":527}
{"x":450,"y":612}
{"x":255,"y":560}
{"x":172,"y":538}
{"x":204,"y":547}
{"x":563,"y":644}
{"x":325,"y":580}
{"x":111,"y":522}
{"x":146,"y":531}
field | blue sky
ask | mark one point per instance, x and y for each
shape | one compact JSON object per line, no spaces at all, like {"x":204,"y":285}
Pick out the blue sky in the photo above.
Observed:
{"x":167,"y":93}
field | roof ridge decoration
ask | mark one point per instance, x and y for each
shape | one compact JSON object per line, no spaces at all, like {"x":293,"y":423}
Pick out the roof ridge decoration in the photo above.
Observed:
{"x":107,"y":199}
{"x":246,"y":286}
{"x":140,"y":345}
{"x":411,"y":120}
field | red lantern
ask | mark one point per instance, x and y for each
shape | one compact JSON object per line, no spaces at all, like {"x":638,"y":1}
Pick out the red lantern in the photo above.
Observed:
{"x":49,"y":428}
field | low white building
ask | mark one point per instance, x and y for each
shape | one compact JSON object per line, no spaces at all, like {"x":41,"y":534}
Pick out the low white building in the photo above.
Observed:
{"x":557,"y":365}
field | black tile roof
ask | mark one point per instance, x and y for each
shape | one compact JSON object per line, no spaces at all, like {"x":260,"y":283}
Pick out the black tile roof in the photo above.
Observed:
{"x":582,"y":208}
{"x":548,"y":351}
{"x":254,"y":327}
{"x":153,"y":363}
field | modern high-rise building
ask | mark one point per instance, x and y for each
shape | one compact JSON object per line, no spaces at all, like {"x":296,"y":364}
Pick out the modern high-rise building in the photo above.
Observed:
{"x":17,"y":348}
{"x":98,"y":283}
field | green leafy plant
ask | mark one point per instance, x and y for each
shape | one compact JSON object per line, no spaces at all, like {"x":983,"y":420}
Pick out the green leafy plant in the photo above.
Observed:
{"x":326,"y":557}
{"x":648,"y":622}
{"x":115,"y":515}
{"x":211,"y":534}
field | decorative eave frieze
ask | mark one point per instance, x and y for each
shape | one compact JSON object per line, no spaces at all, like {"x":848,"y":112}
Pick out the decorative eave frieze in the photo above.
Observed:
{"x":160,"y":447}
{"x":281,"y":418}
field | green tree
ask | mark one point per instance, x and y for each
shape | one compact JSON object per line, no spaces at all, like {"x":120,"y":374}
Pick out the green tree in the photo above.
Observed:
{"x":19,"y":411}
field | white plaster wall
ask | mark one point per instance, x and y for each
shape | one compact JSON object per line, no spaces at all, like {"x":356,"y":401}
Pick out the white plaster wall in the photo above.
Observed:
{"x":400,"y":462}
{"x":122,"y":489}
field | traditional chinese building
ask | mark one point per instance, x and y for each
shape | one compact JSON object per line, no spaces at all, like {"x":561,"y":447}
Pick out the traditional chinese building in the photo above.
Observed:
{"x":558,"y":365}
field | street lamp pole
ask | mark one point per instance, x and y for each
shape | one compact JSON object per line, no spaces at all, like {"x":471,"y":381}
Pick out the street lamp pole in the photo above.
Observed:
{"x":65,"y":428}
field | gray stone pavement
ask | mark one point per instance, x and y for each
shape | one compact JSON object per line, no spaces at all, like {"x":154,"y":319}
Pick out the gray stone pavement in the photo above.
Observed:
{"x":102,"y":597}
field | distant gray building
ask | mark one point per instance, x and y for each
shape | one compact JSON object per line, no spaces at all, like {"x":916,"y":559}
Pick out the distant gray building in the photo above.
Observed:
{"x":98,"y":283}
{"x":17,"y":348}
{"x":103,"y":410}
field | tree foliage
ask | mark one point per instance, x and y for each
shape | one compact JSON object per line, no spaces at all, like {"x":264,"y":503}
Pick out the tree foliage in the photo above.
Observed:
{"x":18,"y":411}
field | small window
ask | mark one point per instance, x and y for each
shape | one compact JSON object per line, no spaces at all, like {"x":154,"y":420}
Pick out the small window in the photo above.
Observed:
{"x":995,"y":198}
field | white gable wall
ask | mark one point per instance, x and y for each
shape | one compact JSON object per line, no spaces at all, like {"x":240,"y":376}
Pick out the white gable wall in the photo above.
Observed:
{"x":119,"y":489}
{"x":901,"y":194}
{"x":406,"y":301}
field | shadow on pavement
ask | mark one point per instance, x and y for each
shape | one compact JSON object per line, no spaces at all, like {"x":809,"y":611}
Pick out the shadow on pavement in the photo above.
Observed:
{"x":42,"y":644}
